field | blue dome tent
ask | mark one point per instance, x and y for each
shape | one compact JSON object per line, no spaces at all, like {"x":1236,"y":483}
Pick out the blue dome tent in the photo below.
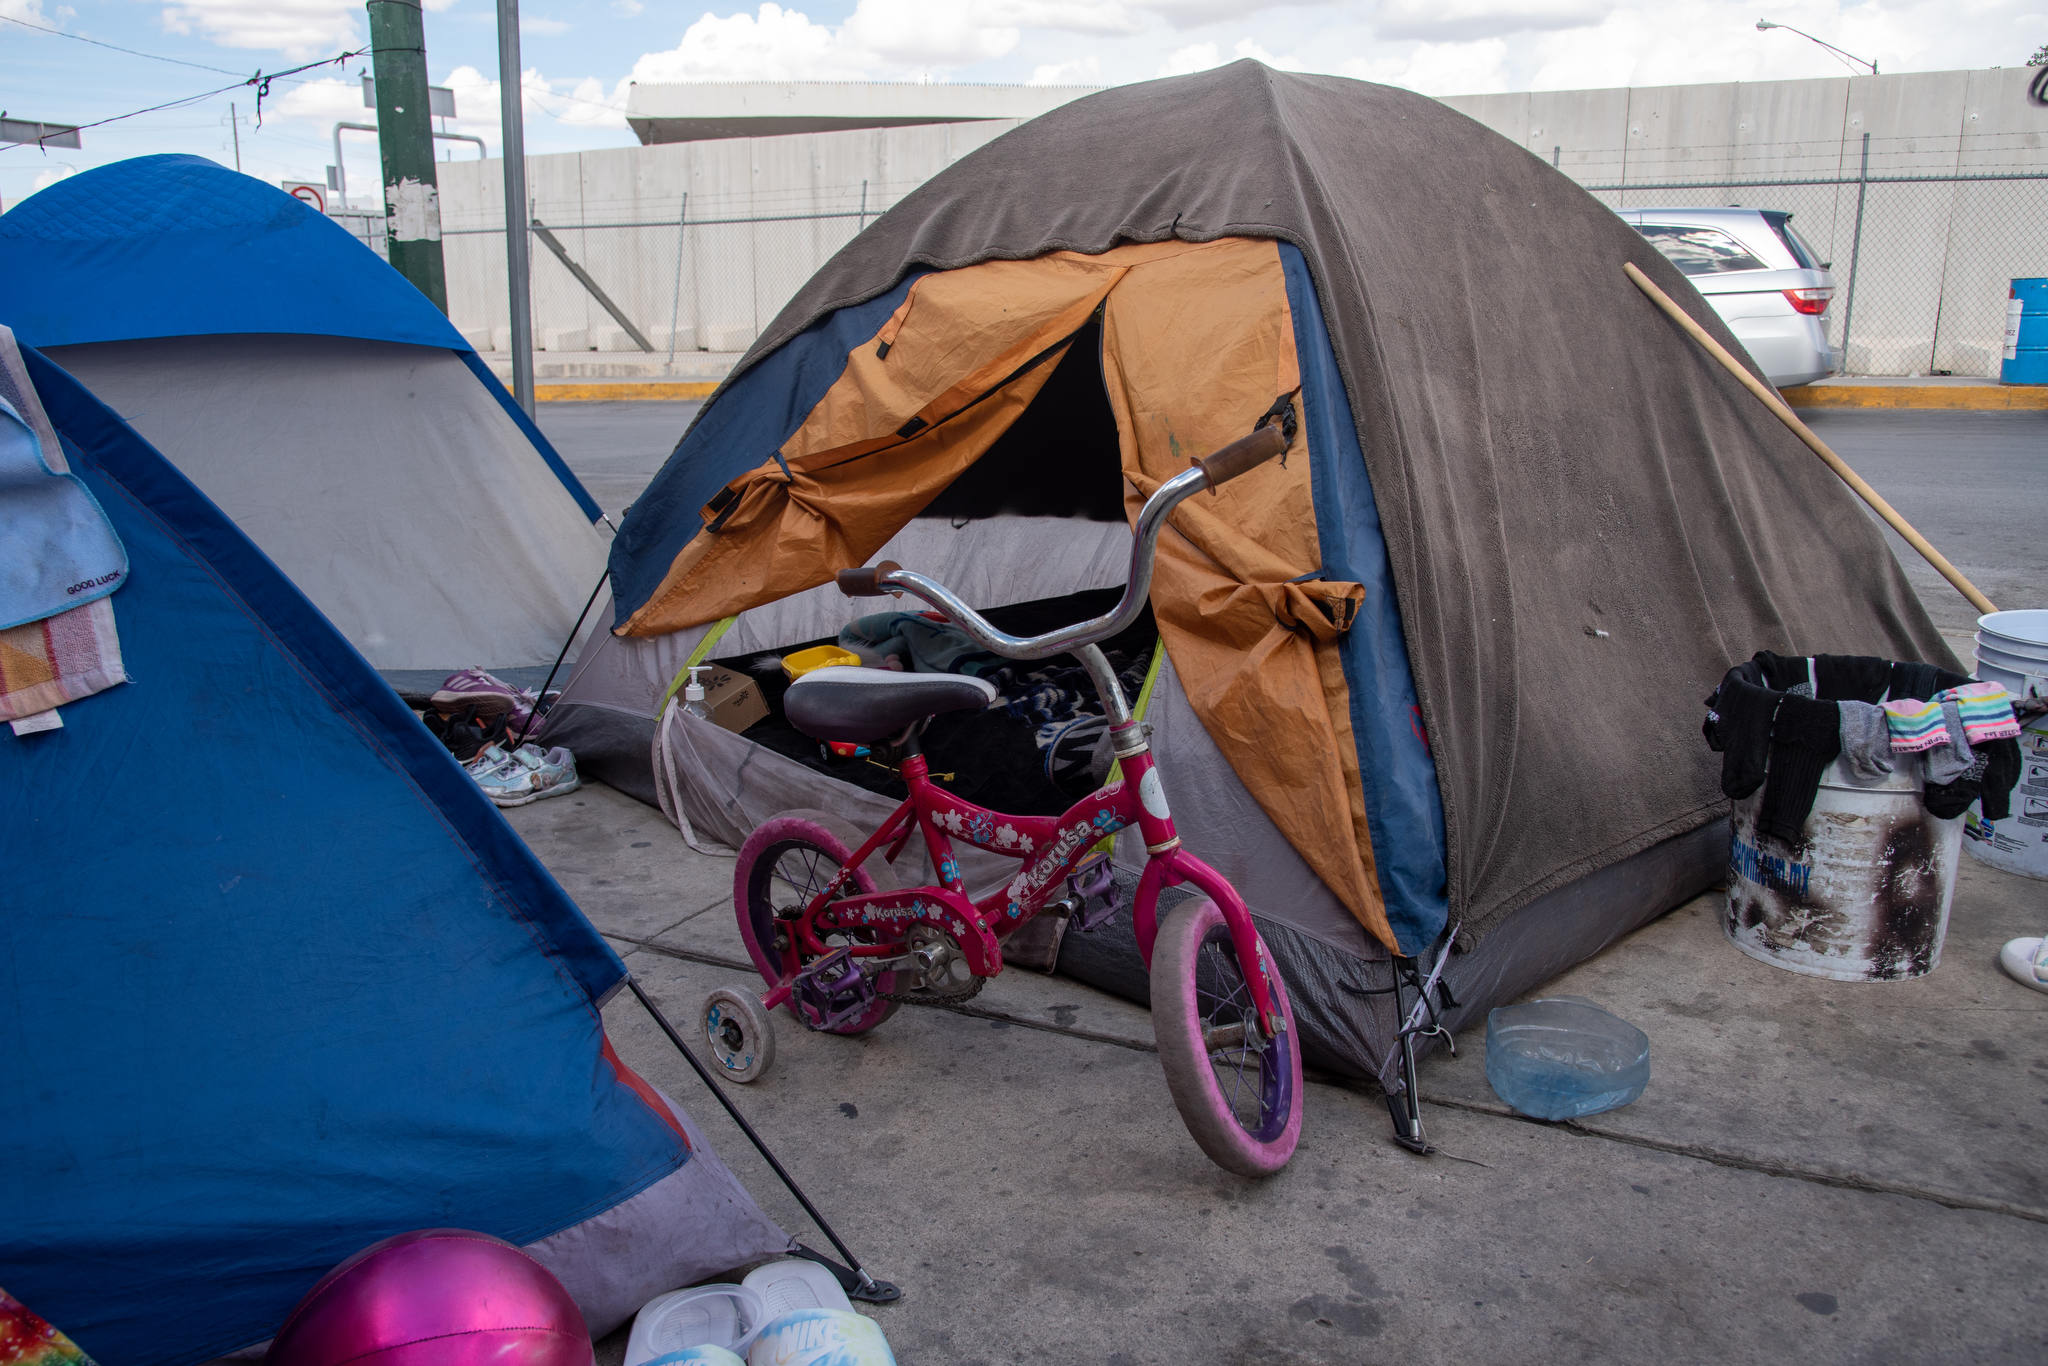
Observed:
{"x":313,"y":993}
{"x":318,"y":398}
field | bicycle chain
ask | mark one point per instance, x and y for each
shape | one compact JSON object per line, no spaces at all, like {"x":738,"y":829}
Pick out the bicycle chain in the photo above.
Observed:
{"x":925,"y":996}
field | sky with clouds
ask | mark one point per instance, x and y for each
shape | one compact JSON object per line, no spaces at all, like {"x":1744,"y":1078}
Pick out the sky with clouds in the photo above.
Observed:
{"x":580,"y":56}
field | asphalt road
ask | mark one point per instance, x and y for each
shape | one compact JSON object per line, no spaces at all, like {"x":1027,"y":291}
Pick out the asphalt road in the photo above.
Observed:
{"x":1975,"y":484}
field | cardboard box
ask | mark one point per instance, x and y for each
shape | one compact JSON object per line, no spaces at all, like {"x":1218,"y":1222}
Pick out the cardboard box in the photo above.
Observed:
{"x":734,"y":698}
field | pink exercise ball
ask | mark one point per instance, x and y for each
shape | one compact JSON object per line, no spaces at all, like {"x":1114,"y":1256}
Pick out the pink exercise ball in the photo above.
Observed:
{"x":437,"y":1297}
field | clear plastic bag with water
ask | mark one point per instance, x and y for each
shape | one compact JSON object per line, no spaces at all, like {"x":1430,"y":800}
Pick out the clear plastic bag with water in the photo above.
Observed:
{"x":1563,"y":1057}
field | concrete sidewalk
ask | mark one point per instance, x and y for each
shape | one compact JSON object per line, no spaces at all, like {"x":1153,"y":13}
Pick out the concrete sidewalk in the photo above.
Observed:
{"x":1819,"y":1172}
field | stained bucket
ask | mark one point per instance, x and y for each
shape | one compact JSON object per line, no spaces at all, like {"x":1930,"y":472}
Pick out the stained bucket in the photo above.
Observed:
{"x":1863,"y":897}
{"x":2012,"y":649}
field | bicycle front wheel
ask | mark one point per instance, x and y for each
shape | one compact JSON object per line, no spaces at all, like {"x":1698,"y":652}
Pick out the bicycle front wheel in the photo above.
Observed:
{"x":1237,"y":1090}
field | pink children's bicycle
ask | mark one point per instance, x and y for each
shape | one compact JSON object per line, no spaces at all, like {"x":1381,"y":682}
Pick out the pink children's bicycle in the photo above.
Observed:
{"x":841,"y":952}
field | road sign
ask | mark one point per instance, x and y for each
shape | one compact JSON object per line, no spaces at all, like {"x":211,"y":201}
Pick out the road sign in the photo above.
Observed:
{"x":308,"y":191}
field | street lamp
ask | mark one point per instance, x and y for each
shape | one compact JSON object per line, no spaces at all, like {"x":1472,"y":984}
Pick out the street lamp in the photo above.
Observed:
{"x":1764,"y":24}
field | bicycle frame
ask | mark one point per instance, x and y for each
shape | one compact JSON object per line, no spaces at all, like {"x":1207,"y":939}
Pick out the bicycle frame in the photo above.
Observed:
{"x":1049,"y":848}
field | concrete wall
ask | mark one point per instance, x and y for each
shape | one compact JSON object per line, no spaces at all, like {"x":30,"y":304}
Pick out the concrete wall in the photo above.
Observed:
{"x":715,"y":283}
{"x":1932,"y":259}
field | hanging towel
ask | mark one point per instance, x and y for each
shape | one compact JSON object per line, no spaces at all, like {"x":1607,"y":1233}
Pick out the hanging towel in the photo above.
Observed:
{"x":73,"y":652}
{"x":60,"y":551}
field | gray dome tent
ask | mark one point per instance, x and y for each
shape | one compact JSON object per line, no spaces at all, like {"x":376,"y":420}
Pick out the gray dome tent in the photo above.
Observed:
{"x":1555,"y":520}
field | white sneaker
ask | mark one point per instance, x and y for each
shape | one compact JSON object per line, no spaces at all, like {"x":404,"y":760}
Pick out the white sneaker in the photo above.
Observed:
{"x":2026,"y":962}
{"x":529,"y":775}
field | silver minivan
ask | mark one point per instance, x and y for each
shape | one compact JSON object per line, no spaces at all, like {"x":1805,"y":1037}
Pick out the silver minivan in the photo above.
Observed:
{"x":1760,"y":275}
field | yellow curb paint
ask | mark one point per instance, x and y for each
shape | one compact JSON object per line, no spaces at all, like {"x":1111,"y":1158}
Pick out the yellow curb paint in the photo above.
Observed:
{"x":1986,"y":398}
{"x":644,"y":389}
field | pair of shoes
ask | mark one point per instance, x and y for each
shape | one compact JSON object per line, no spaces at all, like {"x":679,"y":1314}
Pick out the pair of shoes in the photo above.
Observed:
{"x":485,"y":695}
{"x":2026,"y":962}
{"x":463,"y":731}
{"x":528,"y":774}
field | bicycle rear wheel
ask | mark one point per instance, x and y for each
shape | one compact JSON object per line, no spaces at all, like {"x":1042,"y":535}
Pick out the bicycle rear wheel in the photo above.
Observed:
{"x":784,"y":863}
{"x":1237,"y":1090}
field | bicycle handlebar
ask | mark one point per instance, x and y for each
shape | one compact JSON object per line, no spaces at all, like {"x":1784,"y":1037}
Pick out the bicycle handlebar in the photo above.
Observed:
{"x":865,"y":583}
{"x":1219,"y":467}
{"x":1245,"y":453}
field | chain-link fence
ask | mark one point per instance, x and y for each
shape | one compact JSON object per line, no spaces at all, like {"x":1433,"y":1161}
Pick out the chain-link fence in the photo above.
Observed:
{"x":697,"y":280}
{"x":1922,"y":262}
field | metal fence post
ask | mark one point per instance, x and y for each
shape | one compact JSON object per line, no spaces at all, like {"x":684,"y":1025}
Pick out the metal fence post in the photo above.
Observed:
{"x":675,"y":301}
{"x":518,"y":266}
{"x":1855,"y":251}
{"x":862,"y":222}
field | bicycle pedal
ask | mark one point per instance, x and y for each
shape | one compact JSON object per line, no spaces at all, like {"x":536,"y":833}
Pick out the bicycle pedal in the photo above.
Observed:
{"x":1092,"y":889}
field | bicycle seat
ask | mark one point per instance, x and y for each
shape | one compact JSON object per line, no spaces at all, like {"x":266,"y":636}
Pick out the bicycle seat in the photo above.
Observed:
{"x":841,"y":702}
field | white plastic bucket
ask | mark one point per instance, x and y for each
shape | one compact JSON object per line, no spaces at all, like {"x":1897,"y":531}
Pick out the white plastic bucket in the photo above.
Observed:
{"x":1864,"y":896}
{"x":2012,"y":649}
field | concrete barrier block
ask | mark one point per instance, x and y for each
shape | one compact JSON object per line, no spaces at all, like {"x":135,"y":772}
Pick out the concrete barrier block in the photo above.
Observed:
{"x":480,"y":338}
{"x":616,"y":339}
{"x":683,"y":338}
{"x":501,"y":337}
{"x":565,"y":339}
{"x":725,"y":337}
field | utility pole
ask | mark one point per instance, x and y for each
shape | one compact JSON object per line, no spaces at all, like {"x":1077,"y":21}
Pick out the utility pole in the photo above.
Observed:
{"x":235,"y":122}
{"x":518,"y":262}
{"x":405,"y":135}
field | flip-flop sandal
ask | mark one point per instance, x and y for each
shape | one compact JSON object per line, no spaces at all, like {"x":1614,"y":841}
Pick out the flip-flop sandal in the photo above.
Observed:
{"x":2026,"y":962}
{"x":720,"y":1315}
{"x":793,"y":1284}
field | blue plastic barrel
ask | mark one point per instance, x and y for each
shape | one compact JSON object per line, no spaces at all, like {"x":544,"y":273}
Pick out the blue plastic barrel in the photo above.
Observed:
{"x":2026,"y":333}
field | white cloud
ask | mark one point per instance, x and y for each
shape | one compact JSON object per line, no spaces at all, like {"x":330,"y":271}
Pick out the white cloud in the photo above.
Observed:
{"x":297,"y":28}
{"x":63,"y":170}
{"x":1086,"y":71}
{"x":774,"y":44}
{"x":631,"y":9}
{"x":1194,"y":57}
{"x":1439,"y":68}
{"x":31,"y":10}
{"x":915,"y":33}
{"x":538,"y":26}
{"x":1468,"y":20}
{"x":439,"y":6}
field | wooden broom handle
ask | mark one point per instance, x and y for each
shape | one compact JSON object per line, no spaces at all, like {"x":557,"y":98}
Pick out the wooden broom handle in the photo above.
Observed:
{"x":1805,"y":433}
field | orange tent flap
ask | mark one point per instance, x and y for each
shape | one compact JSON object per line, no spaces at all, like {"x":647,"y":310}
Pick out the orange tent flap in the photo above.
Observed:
{"x":1195,"y":348}
{"x":953,"y":373}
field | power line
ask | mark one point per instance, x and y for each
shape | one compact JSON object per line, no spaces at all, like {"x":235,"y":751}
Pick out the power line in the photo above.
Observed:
{"x":260,"y":80}
{"x":115,"y":47}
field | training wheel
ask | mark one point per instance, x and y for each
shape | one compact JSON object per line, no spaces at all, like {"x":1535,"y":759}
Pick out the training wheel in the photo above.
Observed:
{"x":742,"y":1040}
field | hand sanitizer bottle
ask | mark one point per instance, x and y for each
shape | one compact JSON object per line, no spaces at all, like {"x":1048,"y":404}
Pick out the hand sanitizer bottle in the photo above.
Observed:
{"x":693,"y":693}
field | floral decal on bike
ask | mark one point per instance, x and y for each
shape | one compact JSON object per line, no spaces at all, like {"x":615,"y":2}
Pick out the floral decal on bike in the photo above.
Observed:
{"x":981,"y":828}
{"x":949,"y":870}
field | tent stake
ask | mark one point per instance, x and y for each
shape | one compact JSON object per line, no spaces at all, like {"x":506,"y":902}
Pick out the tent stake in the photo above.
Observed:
{"x":1819,"y":447}
{"x":862,"y":1286}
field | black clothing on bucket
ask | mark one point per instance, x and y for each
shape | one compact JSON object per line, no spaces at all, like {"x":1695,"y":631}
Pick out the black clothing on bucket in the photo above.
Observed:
{"x":1806,"y":735}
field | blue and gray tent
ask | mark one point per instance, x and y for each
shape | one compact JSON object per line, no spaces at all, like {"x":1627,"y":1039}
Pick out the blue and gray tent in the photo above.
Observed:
{"x":281,"y":982}
{"x":318,"y":398}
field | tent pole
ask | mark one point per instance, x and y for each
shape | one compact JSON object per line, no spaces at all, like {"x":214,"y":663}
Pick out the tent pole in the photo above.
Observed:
{"x":542,"y":696}
{"x":1784,"y":414}
{"x":865,"y":1287}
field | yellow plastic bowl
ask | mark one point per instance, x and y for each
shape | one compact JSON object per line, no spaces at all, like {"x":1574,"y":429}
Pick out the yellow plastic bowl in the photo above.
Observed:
{"x":817,"y":657}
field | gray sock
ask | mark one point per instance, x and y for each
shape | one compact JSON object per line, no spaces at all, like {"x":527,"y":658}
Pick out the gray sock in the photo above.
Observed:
{"x":1866,"y":742}
{"x":1950,"y":761}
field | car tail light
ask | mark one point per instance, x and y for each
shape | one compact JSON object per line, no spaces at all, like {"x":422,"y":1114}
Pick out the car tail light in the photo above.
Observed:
{"x":1812,"y":302}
